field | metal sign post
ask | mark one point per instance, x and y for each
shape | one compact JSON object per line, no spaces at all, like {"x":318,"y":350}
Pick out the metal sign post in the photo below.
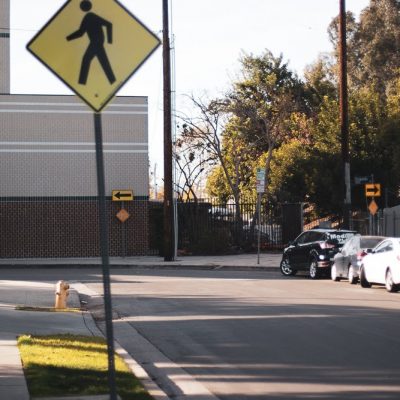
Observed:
{"x":103,"y":226}
{"x":259,"y":227}
{"x":260,"y":186}
{"x":62,"y":46}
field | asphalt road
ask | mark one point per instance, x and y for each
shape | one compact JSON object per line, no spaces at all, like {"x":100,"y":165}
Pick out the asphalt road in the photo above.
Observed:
{"x":261,"y":336}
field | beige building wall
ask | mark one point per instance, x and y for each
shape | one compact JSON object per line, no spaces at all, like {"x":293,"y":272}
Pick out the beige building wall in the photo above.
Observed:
{"x":4,"y":46}
{"x":47,"y":146}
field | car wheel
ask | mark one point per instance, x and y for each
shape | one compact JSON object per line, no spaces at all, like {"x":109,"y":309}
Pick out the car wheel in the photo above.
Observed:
{"x":352,"y":276}
{"x":285,"y":267}
{"x":390,"y":285}
{"x":334,"y":275}
{"x":314,"y":271}
{"x":363,"y":280}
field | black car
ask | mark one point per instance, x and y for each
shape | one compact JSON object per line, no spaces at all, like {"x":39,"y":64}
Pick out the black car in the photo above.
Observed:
{"x":313,"y":251}
{"x":347,"y":262}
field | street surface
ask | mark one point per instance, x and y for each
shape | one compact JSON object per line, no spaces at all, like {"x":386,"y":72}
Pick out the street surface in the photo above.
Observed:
{"x":258,"y":335}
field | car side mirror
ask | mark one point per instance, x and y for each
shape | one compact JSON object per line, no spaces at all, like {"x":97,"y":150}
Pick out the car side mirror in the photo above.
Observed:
{"x":292,"y":243}
{"x":369,"y":251}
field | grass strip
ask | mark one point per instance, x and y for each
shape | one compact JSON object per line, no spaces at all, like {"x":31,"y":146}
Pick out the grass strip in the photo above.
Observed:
{"x":63,"y":365}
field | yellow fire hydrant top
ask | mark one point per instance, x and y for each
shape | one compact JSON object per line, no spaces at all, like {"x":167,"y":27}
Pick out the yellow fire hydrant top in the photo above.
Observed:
{"x":62,"y":292}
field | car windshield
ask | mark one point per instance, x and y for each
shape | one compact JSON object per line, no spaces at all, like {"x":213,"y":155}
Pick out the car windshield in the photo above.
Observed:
{"x":341,"y":237}
{"x":369,"y":243}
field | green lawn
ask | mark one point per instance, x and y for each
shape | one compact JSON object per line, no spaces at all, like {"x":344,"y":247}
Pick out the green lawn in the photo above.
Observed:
{"x":74,"y":365}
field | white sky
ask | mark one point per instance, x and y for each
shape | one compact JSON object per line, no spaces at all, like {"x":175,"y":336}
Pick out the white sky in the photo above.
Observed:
{"x":209,"y":38}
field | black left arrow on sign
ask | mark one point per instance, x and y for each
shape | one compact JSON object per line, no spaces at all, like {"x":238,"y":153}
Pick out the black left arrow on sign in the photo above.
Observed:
{"x":120,"y":195}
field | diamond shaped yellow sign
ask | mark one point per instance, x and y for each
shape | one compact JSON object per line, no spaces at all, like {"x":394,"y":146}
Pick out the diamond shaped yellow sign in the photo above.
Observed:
{"x":373,"y":207}
{"x":94,"y":47}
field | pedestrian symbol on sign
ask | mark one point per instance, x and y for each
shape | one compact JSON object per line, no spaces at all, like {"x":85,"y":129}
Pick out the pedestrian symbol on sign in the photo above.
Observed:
{"x":94,"y":47}
{"x":92,"y":25}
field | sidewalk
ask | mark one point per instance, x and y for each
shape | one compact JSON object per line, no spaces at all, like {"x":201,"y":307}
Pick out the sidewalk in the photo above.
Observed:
{"x":15,"y":322}
{"x":268,"y":261}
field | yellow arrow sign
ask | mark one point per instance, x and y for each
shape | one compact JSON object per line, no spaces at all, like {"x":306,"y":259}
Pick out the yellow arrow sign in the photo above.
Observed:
{"x":122,"y":195}
{"x":94,"y":47}
{"x":372,"y":189}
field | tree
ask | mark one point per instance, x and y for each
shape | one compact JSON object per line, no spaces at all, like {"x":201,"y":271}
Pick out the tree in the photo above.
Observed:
{"x":373,"y":44}
{"x":263,"y":101}
{"x":320,"y":81}
{"x":206,"y":132}
{"x":192,"y":163}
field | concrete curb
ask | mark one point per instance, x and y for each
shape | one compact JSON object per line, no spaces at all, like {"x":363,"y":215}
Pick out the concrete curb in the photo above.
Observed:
{"x":173,"y":382}
{"x":99,"y":397}
{"x":154,"y":390}
{"x":145,"y":266}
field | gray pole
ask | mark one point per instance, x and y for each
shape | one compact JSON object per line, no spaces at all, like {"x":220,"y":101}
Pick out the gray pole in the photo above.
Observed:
{"x":259,"y":227}
{"x":103,"y":226}
{"x":344,"y":118}
{"x":169,"y":237}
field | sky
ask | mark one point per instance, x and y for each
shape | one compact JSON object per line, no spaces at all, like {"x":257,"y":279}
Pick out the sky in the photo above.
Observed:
{"x":209,"y":37}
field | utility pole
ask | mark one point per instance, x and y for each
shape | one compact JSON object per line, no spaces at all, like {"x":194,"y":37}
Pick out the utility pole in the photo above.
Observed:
{"x":344,"y":118}
{"x":169,"y":237}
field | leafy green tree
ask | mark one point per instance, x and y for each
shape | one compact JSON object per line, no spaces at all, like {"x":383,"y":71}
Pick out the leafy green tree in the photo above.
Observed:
{"x":377,"y":44}
{"x":373,"y":44}
{"x":292,"y":128}
{"x":263,"y":101}
{"x":320,"y":81}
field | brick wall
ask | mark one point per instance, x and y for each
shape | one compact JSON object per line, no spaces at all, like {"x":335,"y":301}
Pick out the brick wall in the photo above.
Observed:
{"x":69,"y":228}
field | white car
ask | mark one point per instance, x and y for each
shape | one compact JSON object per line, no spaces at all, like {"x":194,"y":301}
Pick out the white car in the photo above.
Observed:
{"x":382,"y":265}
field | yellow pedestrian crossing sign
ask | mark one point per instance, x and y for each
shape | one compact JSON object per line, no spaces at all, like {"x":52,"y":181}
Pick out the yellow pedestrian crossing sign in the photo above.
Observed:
{"x":94,"y":47}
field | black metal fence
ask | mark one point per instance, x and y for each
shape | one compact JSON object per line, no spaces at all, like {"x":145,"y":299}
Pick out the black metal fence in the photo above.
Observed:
{"x":210,"y":227}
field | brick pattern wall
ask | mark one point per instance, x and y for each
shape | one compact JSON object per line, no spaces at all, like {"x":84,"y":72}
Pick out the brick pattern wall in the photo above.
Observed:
{"x":43,"y":228}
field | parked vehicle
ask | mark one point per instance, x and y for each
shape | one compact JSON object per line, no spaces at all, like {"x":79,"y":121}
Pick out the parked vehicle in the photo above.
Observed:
{"x":382,"y":265}
{"x":347,"y":262}
{"x":313,"y":251}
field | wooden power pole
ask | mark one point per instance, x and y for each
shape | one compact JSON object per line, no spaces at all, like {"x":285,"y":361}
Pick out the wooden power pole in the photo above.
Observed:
{"x":344,"y":118}
{"x":169,"y":238}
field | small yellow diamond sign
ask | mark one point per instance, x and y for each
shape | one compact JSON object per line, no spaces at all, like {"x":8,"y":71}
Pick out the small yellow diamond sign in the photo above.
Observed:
{"x":373,"y":207}
{"x":94,"y":46}
{"x":123,"y":215}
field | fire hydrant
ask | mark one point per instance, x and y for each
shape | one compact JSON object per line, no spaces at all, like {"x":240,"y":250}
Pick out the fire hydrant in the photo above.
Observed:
{"x":62,"y":292}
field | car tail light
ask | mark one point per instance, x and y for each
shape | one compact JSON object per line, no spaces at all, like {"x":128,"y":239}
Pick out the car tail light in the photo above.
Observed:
{"x":361,"y":254}
{"x":325,"y":245}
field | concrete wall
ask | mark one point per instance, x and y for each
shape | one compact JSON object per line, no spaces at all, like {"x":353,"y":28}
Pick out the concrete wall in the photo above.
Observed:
{"x":391,"y":221}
